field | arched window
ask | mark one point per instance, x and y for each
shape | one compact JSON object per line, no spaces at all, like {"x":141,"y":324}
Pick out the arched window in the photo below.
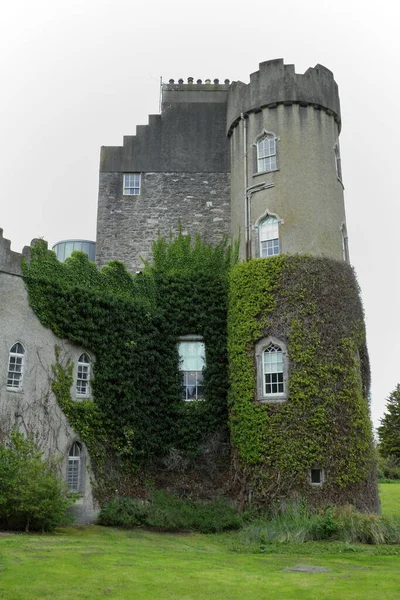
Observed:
{"x":266,"y":153}
{"x":191,"y":363}
{"x":269,"y":237}
{"x":272,"y":370}
{"x":83,"y":376}
{"x":74,"y":469}
{"x":15,"y":367}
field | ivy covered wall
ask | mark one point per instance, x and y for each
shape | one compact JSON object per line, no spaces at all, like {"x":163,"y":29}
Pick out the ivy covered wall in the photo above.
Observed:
{"x":312,"y":306}
{"x":139,"y":431}
{"x":138,"y":426}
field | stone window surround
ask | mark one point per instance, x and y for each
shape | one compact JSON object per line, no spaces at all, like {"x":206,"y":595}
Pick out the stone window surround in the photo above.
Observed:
{"x":259,"y":349}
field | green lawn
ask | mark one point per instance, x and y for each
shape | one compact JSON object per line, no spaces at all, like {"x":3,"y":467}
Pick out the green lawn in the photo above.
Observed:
{"x":390,"y":498}
{"x":98,"y":562}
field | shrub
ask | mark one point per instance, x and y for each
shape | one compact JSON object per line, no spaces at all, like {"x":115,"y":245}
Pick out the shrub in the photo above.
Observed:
{"x":123,"y":512}
{"x":297,"y":524}
{"x":32,"y":495}
{"x":169,"y":513}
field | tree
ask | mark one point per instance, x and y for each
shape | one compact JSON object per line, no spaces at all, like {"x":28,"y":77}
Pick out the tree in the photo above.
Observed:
{"x":389,"y":431}
{"x":32,"y":495}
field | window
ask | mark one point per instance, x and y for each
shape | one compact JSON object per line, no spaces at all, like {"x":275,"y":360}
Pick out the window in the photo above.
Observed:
{"x":266,"y":153}
{"x":338,"y":161}
{"x":83,"y":377}
{"x":15,"y":367}
{"x":272,"y":370}
{"x":74,"y":468}
{"x":192,"y":362}
{"x":132,"y":184}
{"x":269,"y":237}
{"x":317,"y":476}
{"x":345,"y":243}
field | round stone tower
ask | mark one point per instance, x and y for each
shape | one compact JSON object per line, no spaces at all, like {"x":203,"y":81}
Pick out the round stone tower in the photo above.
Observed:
{"x":286,"y":180}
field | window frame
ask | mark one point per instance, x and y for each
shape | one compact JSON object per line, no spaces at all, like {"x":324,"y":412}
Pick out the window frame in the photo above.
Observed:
{"x":276,"y":220}
{"x":185,"y":386}
{"x":345,"y":243}
{"x":322,"y":477}
{"x":72,"y":460}
{"x":258,"y":142}
{"x":126,"y":188}
{"x":11,"y":372}
{"x":83,"y":364}
{"x":338,"y":162}
{"x":260,"y":349}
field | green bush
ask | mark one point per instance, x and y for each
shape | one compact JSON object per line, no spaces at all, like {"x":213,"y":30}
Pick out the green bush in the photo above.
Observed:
{"x":32,"y":496}
{"x":388,"y":468}
{"x":123,"y":512}
{"x":169,"y":513}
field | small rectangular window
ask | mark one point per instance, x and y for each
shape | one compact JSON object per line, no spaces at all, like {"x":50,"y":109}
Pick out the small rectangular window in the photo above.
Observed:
{"x":132,"y":183}
{"x":266,"y":155}
{"x":317,"y":476}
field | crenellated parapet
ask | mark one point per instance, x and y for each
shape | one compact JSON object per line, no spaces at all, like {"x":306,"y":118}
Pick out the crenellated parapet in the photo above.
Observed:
{"x":10,"y":261}
{"x":276,"y":83}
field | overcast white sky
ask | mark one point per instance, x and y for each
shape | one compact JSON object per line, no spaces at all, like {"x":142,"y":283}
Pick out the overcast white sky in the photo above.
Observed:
{"x":80,"y":74}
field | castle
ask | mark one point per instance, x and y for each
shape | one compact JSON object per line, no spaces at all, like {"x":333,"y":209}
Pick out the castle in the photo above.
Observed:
{"x":258,"y":162}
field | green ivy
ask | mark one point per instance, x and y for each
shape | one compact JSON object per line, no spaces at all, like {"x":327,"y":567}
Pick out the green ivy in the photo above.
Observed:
{"x":131,"y":325}
{"x":312,"y":305}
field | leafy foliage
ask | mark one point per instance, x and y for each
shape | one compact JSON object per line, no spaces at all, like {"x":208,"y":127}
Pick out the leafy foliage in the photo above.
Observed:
{"x":32,"y":495}
{"x":312,"y":305}
{"x":389,"y":431}
{"x":132,"y":325}
{"x":167,"y":512}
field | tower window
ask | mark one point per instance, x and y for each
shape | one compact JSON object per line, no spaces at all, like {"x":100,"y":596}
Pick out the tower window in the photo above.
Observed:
{"x":15,"y":367}
{"x":266,"y":154}
{"x":338,"y":161}
{"x":132,"y":183}
{"x":269,"y":237}
{"x":192,"y":362}
{"x":273,"y":371}
{"x":317,"y":476}
{"x":74,"y":469}
{"x":83,"y":377}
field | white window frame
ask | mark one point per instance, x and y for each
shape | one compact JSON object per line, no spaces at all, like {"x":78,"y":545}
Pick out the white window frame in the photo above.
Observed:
{"x":273,"y":371}
{"x":338,"y":162}
{"x":132,"y":184}
{"x":74,"y":467}
{"x":268,"y":233}
{"x":345,"y":243}
{"x":322,"y":477}
{"x":266,"y":152}
{"x":83,"y":371}
{"x":197,"y":375}
{"x":261,"y":351}
{"x":16,"y":365}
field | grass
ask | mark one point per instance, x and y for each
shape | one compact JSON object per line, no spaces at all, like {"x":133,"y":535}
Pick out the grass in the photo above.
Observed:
{"x":390,"y":498}
{"x":98,"y":562}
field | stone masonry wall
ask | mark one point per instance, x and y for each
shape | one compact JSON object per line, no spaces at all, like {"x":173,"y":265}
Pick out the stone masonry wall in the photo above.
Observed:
{"x":127,"y":225}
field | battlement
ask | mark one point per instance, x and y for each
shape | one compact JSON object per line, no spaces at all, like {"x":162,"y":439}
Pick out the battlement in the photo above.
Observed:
{"x":10,"y":261}
{"x":209,"y":91}
{"x":276,"y":83}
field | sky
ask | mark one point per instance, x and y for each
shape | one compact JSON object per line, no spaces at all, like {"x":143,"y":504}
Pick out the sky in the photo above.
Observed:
{"x":80,"y":74}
